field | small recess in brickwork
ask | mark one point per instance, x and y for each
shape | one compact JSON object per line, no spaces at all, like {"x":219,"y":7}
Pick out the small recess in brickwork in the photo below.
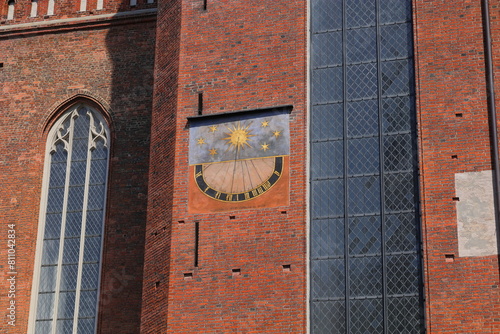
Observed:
{"x":456,"y":199}
{"x":283,"y":211}
{"x":154,"y":233}
{"x":232,"y":217}
{"x":236,"y":272}
{"x":287,"y":268}
{"x":200,"y":103}
{"x":188,"y":276}
{"x":454,"y":156}
{"x":181,"y":221}
{"x":459,"y":114}
{"x":449,"y":257}
{"x":157,"y":284}
{"x":204,"y":4}
{"x":1,"y":65}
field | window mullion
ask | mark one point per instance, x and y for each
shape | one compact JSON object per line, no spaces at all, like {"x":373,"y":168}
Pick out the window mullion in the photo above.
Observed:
{"x":63,"y":222}
{"x":83,"y":228}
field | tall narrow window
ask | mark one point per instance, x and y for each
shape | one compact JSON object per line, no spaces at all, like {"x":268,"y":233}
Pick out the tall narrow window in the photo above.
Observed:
{"x":34,"y":8}
{"x":10,"y":10}
{"x":365,"y":261}
{"x":67,"y":267}
{"x":83,"y":5}
{"x":50,"y":7}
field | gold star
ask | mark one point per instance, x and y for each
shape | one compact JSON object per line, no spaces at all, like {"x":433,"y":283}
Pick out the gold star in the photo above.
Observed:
{"x":212,"y":151}
{"x":276,"y":133}
{"x":213,"y":128}
{"x":265,"y":147}
{"x":264,"y":123}
{"x":201,"y":141}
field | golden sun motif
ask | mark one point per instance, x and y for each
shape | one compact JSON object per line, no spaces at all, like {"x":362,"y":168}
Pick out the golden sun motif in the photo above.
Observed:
{"x":238,"y":136}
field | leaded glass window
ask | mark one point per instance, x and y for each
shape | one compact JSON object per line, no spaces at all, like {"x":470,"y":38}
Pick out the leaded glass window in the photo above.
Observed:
{"x":365,"y":258}
{"x":67,"y":267}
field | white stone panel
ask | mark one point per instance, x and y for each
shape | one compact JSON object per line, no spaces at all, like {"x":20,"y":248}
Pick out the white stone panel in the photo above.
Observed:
{"x":475,"y":214}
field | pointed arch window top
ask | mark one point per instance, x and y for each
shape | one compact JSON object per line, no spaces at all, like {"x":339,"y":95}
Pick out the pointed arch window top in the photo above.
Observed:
{"x":65,"y":126}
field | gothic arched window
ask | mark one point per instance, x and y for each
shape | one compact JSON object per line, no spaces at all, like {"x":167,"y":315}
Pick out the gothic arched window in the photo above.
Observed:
{"x":69,"y":246}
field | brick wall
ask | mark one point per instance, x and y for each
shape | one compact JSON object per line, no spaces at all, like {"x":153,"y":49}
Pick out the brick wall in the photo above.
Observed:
{"x":241,"y":55}
{"x":64,"y":9}
{"x":462,"y":295}
{"x":114,"y":67}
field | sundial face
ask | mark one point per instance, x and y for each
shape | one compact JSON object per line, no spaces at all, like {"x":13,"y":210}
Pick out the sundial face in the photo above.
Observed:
{"x":237,"y":160}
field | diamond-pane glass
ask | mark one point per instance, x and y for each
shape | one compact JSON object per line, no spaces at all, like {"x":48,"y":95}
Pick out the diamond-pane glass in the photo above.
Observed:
{"x":363,"y":156}
{"x":397,"y":77}
{"x":365,"y":276}
{"x":395,"y":11}
{"x":332,"y":166}
{"x":50,"y":252}
{"x":58,"y":174}
{"x":401,"y":234}
{"x":401,"y":272}
{"x":397,"y":41}
{"x":329,"y":83}
{"x":43,"y":326}
{"x":64,"y":326}
{"x":362,"y":118}
{"x":71,"y":251}
{"x":48,"y":279}
{"x":364,"y":195}
{"x":404,"y":315}
{"x":92,"y":252}
{"x":364,"y":235}
{"x":361,"y":45}
{"x":328,"y":278}
{"x":327,"y":15}
{"x":74,"y":187}
{"x":361,"y":81}
{"x":364,"y":227}
{"x":327,"y":236}
{"x":328,"y":56}
{"x":327,"y":122}
{"x":360,"y":13}
{"x":367,"y":316}
{"x":94,"y":223}
{"x":90,"y":275}
{"x":69,"y":276}
{"x":86,"y":326}
{"x":45,"y":305}
{"x":397,"y":114}
{"x":327,"y":198}
{"x":326,"y":315}
{"x":52,"y":226}
{"x":66,"y":306}
{"x":88,"y":301}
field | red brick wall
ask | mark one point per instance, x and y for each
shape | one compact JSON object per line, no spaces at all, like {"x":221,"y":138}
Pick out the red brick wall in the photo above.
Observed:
{"x":64,"y":9}
{"x":241,"y":55}
{"x":115,"y":66}
{"x":157,"y":255}
{"x":462,"y":296}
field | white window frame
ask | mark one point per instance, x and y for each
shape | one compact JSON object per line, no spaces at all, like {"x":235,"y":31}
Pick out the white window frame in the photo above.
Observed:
{"x":101,"y":132}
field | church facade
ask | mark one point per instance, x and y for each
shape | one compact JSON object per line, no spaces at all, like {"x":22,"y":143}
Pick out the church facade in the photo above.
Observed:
{"x":206,"y":166}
